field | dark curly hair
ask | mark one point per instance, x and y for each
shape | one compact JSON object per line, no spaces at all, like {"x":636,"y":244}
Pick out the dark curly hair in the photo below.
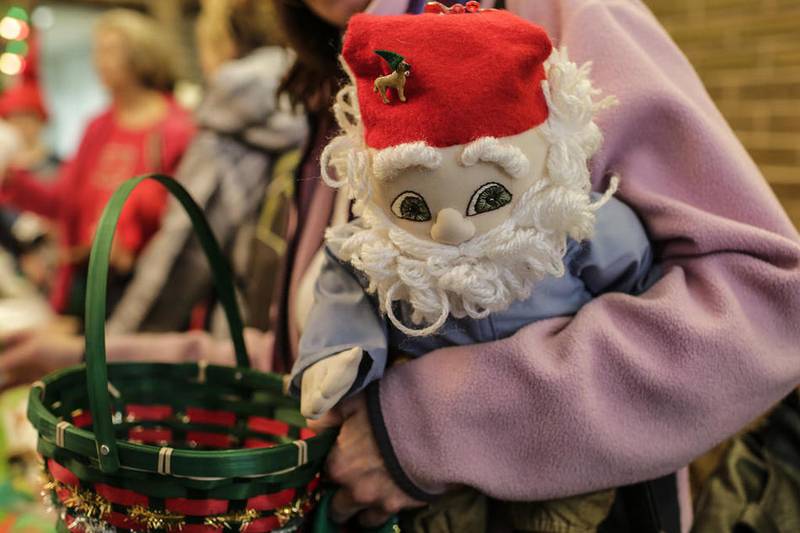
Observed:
{"x":315,"y":75}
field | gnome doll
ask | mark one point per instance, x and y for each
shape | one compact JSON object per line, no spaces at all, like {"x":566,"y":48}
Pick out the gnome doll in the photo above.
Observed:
{"x":464,"y":146}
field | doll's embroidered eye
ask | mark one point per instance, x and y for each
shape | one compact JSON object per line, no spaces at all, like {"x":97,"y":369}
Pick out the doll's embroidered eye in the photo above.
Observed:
{"x":411,"y":206}
{"x":488,"y":197}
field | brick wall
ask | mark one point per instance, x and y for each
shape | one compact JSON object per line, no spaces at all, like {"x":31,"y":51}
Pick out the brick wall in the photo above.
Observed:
{"x":748,"y":54}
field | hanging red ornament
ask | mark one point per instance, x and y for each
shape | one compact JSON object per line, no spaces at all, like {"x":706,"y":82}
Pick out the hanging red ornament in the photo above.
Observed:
{"x":472,"y":6}
{"x":436,"y":8}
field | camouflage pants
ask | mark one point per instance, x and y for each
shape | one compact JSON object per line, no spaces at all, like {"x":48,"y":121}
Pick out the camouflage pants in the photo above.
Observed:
{"x":467,"y":511}
{"x":757,"y":485}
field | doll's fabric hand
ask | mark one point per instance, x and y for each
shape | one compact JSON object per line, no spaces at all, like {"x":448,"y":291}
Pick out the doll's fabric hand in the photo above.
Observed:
{"x":327,"y":381}
{"x":355,"y":463}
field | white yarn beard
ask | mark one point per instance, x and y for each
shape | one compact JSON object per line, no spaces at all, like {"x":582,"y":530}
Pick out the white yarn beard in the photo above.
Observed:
{"x":483,"y":275}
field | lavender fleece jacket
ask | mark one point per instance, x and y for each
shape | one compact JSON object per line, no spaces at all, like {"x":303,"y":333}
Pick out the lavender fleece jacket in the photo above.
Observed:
{"x":630,"y":388}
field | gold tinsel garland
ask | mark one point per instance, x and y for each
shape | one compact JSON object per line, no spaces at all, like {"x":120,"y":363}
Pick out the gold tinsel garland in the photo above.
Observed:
{"x":226,"y":521}
{"x":90,"y":505}
{"x":156,"y":519}
{"x":290,"y":511}
{"x":87,"y":503}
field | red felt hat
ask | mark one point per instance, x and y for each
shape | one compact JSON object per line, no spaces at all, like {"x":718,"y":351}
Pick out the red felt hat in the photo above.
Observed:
{"x":24,"y":97}
{"x":472,"y":75}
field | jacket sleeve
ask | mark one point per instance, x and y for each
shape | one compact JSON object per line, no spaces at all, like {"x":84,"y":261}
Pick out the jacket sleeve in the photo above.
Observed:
{"x":23,"y":190}
{"x":342,"y":317}
{"x":632,"y":387}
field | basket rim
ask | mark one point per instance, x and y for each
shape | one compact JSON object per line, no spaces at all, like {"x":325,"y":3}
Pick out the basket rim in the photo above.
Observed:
{"x":199,"y":464}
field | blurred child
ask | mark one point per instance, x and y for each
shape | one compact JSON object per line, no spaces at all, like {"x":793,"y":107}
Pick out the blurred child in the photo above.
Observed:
{"x":28,"y":237}
{"x":143,"y":130}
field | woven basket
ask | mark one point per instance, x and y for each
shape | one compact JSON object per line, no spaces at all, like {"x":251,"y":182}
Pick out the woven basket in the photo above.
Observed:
{"x":172,"y":447}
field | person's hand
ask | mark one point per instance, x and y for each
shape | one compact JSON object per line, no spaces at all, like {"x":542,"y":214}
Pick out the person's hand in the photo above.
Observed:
{"x":327,"y":381}
{"x":355,"y":463}
{"x":28,"y":355}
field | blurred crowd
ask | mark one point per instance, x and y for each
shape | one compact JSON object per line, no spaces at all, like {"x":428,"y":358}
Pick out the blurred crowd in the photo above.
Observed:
{"x":225,"y":149}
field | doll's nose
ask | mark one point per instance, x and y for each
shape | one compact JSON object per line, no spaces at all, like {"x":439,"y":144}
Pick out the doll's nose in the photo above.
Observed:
{"x":451,"y":227}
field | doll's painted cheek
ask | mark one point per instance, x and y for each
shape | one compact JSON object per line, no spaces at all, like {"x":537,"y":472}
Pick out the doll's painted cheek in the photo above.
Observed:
{"x":451,"y":228}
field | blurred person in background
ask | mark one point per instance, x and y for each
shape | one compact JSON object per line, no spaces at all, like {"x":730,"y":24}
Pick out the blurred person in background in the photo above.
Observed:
{"x":243,"y":128}
{"x":625,"y":391}
{"x":27,"y":236}
{"x":22,"y":107}
{"x":31,"y":239}
{"x":143,"y":130}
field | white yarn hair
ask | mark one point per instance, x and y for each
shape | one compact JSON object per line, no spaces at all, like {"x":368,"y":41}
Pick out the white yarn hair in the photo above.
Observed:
{"x":489,"y":272}
{"x":509,"y":157}
{"x":389,"y":162}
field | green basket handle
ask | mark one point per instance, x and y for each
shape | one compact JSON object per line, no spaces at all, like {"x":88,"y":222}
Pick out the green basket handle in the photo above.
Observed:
{"x":96,"y":369}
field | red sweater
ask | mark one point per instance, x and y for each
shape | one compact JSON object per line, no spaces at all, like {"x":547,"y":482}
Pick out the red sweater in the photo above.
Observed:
{"x":108,"y":155}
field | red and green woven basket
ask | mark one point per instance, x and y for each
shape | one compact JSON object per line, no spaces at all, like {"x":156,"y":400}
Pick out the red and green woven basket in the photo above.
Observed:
{"x":172,"y":447}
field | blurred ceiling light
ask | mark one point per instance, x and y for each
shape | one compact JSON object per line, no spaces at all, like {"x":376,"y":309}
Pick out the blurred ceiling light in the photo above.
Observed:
{"x":11,"y":64}
{"x":13,"y":29}
{"x":43,"y":17}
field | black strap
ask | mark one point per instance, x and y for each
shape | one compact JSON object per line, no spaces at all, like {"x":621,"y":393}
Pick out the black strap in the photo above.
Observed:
{"x":646,"y":507}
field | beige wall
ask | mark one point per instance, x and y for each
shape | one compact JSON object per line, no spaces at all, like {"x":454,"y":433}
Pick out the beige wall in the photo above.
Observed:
{"x":748,"y":54}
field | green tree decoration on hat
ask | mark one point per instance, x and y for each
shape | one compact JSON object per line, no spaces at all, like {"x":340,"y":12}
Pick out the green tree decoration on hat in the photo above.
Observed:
{"x":397,"y":79}
{"x":393,"y":59}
